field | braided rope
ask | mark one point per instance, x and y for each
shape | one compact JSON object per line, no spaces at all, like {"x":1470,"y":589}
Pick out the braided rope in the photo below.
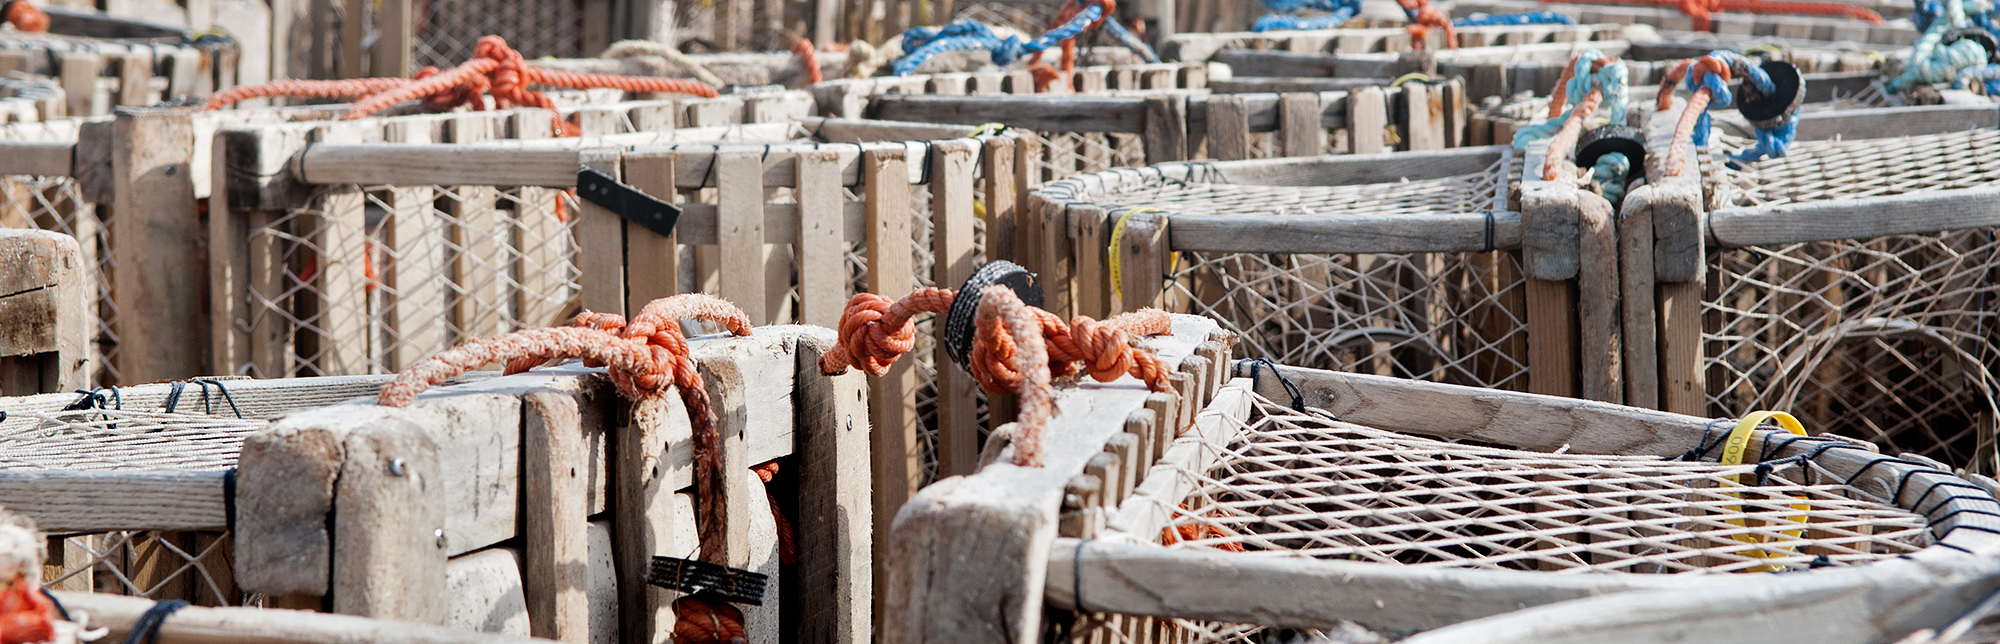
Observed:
{"x":922,"y":43}
{"x":999,"y":308}
{"x":1609,"y":174}
{"x":1700,"y":10}
{"x":26,"y":17}
{"x":1592,"y":76}
{"x":646,"y":355}
{"x":495,"y":69}
{"x":1424,"y":17}
{"x":803,"y":48}
{"x":1529,"y":18}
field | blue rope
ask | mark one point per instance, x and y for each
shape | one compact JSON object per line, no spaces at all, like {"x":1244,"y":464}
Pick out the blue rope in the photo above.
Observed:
{"x":1988,"y":75}
{"x":1338,"y":12}
{"x":1534,"y":18}
{"x":1746,"y":68}
{"x":1612,"y":79}
{"x":1932,"y":61}
{"x":1771,"y":142}
{"x":1718,"y":98}
{"x":1609,"y":174}
{"x":967,"y":35}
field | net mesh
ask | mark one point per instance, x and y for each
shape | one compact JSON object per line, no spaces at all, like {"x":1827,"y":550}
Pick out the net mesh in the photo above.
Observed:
{"x":56,"y":203}
{"x":189,"y":565}
{"x":1303,"y":484}
{"x":1445,"y":317}
{"x":437,"y":265}
{"x":448,"y":29}
{"x":1888,"y":339}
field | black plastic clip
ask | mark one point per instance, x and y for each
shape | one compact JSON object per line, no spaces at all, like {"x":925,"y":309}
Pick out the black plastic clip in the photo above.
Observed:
{"x":692,"y":577}
{"x":635,"y":206}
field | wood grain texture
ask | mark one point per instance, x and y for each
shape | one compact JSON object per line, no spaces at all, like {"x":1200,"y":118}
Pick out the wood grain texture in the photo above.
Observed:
{"x":555,"y":518}
{"x":1166,"y":128}
{"x":835,"y":525}
{"x":740,"y":232}
{"x":823,"y":287}
{"x":953,"y":260}
{"x":1601,"y":361}
{"x":198,"y":624}
{"x":652,"y":260}
{"x":1228,"y":128}
{"x":1552,"y":328}
{"x":388,"y":525}
{"x":1298,"y":125}
{"x":600,"y":240}
{"x":1345,"y":233}
{"x":972,"y":551}
{"x":1637,"y":265}
{"x":159,"y":253}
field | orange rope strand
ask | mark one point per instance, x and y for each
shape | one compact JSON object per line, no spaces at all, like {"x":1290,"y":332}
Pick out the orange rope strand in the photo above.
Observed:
{"x":26,"y":17}
{"x":303,"y":89}
{"x":808,"y":57}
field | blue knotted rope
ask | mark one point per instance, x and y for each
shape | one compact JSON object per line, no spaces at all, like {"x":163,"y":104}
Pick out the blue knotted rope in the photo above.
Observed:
{"x":1772,"y":142}
{"x":1932,"y":61}
{"x":1611,"y":79}
{"x":1987,"y":75}
{"x":922,"y":43}
{"x":1532,"y":18}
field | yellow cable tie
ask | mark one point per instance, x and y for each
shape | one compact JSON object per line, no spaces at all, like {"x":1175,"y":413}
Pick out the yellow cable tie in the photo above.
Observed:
{"x":979,"y":208}
{"x":1732,"y":454}
{"x":1412,"y":76}
{"x":1111,"y":248}
{"x":987,"y":128}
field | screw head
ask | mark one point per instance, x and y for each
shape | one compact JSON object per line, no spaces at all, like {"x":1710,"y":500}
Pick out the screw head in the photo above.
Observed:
{"x":398,"y":466}
{"x":441,"y":541}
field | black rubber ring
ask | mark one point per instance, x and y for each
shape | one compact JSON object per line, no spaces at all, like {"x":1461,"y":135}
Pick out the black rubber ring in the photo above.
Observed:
{"x":961,"y":320}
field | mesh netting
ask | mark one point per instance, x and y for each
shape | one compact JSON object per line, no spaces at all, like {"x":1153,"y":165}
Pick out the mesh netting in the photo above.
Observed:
{"x":1446,"y":317}
{"x":1859,"y":168}
{"x":439,"y":264}
{"x":447,"y":29}
{"x":1303,"y":484}
{"x":1889,"y":339}
{"x":188,"y":565}
{"x":1067,"y":154}
{"x":56,"y":203}
{"x":1030,"y":18}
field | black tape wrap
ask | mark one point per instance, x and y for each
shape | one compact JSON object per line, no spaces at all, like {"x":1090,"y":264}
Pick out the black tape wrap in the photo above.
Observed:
{"x":1613,"y":138}
{"x":961,"y":321}
{"x":1772,"y":111}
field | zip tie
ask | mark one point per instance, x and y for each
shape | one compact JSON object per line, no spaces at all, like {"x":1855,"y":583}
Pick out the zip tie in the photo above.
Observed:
{"x":1732,"y":454}
{"x":1412,"y":76}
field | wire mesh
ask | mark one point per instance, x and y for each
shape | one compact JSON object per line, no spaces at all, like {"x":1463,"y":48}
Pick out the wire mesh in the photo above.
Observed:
{"x":1447,"y":317}
{"x":371,"y":279}
{"x":189,"y":565}
{"x":448,"y":29}
{"x":1300,"y":483}
{"x":1030,"y":19}
{"x":1889,"y":339}
{"x":1067,"y":154}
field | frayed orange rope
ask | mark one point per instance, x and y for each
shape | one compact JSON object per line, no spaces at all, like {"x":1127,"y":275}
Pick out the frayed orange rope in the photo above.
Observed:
{"x":645,"y":356}
{"x":26,"y":17}
{"x":875,"y":331}
{"x":803,"y":48}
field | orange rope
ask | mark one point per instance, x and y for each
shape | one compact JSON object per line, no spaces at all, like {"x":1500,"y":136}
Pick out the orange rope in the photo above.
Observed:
{"x":875,"y":331}
{"x":303,"y":89}
{"x":1427,"y":18}
{"x":1684,"y":132}
{"x":804,"y":50}
{"x":646,"y":356}
{"x":1699,"y":10}
{"x":25,"y":17}
{"x":1565,"y":138}
{"x":699,"y":621}
{"x":24,"y":613}
{"x":495,"y":69}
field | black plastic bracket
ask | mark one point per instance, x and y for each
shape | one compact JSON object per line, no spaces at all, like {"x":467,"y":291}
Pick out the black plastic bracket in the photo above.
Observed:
{"x":635,"y":206}
{"x":693,"y":577}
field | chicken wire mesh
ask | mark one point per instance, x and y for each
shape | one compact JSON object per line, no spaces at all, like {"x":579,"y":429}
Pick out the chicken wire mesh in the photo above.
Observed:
{"x":56,"y":203}
{"x":1067,"y":154}
{"x":1301,"y":483}
{"x":448,"y":29}
{"x":188,"y":565}
{"x":1029,"y":18}
{"x":1889,"y":339}
{"x":1457,"y":318}
{"x":372,"y":279}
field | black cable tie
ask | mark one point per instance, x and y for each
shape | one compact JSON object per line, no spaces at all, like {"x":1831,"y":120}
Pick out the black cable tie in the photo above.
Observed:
{"x":226,"y":396}
{"x":174,"y":395}
{"x":1933,"y":488}
{"x":147,"y":629}
{"x":1076,"y":574}
{"x":1291,"y":389}
{"x":1851,"y":478}
{"x":60,"y":609}
{"x":1700,"y":450}
{"x":229,"y":499}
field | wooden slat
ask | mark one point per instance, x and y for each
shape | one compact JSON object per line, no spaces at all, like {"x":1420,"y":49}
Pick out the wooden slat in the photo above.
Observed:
{"x":1298,"y":125}
{"x":600,"y":240}
{"x":1683,"y":383}
{"x":159,"y":251}
{"x":997,"y":173}
{"x":1367,"y":115}
{"x":1345,"y":233}
{"x":892,"y":397}
{"x":228,"y":273}
{"x":1228,"y":129}
{"x":652,"y":260}
{"x":555,"y":518}
{"x":740,"y":232}
{"x":822,"y":256}
{"x":952,"y":246}
{"x":1551,"y":338}
{"x":835,"y":530}
{"x":417,"y":276}
{"x":1166,"y":128}
{"x":1635,"y":250}
{"x":1092,"y":232}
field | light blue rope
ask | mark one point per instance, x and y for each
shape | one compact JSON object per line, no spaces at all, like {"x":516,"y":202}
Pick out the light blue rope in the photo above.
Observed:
{"x":1932,"y":61}
{"x":1609,"y":174}
{"x":1611,"y":79}
{"x":1533,"y":18}
{"x":1771,"y":142}
{"x":1131,"y":41}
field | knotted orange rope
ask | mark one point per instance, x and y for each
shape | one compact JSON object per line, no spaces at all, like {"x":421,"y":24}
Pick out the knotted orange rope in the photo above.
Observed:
{"x":698,"y":621}
{"x":25,"y":613}
{"x":803,"y":48}
{"x":495,"y":69}
{"x":1423,"y":18}
{"x":25,"y":17}
{"x":875,"y":331}
{"x":1565,"y":138}
{"x":646,"y":355}
{"x":1696,"y":105}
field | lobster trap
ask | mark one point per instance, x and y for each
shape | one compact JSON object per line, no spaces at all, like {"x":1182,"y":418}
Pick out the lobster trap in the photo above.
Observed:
{"x":1400,"y":264}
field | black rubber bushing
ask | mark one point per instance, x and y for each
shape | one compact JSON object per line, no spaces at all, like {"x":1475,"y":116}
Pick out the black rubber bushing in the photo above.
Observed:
{"x":1986,"y":41}
{"x":1772,"y":111}
{"x":960,"y":322}
{"x":1612,"y":138}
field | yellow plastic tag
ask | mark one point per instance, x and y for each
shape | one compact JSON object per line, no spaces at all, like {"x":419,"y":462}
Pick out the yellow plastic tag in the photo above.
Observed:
{"x":1732,"y":454}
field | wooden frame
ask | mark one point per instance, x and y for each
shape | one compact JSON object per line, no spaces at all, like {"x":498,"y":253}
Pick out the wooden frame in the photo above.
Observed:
{"x":98,"y":74}
{"x":1204,"y":47}
{"x":45,"y":321}
{"x":1825,"y":30}
{"x":421,"y":494}
{"x":1927,"y":589}
{"x":973,"y":550}
{"x":849,"y":97}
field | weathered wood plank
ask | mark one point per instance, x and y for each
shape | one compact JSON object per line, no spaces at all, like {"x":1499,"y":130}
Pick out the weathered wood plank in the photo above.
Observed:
{"x":835,"y":527}
{"x":953,"y":260}
{"x":159,"y":253}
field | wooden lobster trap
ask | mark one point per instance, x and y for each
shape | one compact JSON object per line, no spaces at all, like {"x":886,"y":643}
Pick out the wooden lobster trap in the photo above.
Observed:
{"x":529,"y":504}
{"x":1800,"y":30}
{"x":1849,"y":281}
{"x":1413,"y":264}
{"x":1314,"y":501}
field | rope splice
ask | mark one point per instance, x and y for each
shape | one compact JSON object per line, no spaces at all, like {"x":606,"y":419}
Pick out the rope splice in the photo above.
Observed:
{"x":1591,"y":79}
